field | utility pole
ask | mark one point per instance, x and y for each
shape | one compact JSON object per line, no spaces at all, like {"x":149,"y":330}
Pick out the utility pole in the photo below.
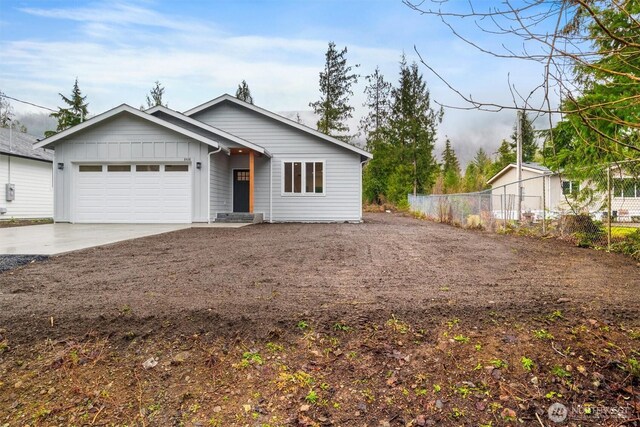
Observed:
{"x":519,"y":163}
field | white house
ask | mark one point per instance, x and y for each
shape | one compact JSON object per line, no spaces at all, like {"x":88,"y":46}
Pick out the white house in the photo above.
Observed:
{"x":26,"y":177}
{"x":219,"y":159}
{"x":543,"y":189}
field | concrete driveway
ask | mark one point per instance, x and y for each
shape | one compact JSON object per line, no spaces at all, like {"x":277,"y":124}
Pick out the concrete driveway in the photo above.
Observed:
{"x":53,"y":239}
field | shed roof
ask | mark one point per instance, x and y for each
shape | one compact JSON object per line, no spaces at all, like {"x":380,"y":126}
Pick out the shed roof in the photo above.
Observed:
{"x":528,"y":166}
{"x":21,"y":144}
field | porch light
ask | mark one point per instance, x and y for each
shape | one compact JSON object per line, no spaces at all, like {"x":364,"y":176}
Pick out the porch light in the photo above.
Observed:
{"x":60,"y":166}
{"x":239,"y":151}
{"x":198,"y":165}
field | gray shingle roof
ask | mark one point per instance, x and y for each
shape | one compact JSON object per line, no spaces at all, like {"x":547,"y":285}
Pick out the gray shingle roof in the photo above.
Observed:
{"x":537,"y":166}
{"x":21,"y":144}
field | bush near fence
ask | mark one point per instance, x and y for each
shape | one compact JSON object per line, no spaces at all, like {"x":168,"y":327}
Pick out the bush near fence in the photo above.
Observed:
{"x":601,"y":211}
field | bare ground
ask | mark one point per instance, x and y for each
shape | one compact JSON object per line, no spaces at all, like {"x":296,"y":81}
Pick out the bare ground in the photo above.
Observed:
{"x":379,"y":315}
{"x":253,"y":279}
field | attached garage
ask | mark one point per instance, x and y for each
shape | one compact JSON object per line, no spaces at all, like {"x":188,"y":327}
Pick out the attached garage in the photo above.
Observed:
{"x":132,"y":193}
{"x":126,"y":166}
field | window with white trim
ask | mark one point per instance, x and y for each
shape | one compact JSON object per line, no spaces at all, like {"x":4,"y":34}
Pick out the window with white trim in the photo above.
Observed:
{"x":570,"y":187}
{"x":303,"y":178}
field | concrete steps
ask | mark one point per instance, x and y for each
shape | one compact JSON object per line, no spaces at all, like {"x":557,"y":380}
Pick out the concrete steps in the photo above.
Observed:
{"x":239,"y":217}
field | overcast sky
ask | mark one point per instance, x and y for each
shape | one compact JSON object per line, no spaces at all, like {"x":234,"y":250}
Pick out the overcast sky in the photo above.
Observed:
{"x":201,"y":49}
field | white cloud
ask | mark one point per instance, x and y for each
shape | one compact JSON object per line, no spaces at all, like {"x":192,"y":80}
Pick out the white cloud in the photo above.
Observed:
{"x":118,"y":50}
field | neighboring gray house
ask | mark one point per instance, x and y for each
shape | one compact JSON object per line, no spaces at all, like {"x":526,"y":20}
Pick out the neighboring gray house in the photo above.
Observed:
{"x":26,"y":177}
{"x":222,"y":157}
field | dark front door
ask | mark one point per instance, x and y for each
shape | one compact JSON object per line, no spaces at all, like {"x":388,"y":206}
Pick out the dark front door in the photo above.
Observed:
{"x":241,"y":190}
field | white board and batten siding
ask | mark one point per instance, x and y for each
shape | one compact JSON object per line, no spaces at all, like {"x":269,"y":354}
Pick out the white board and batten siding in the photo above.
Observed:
{"x":341,"y":200}
{"x":33,"y":180}
{"x":129,"y":140}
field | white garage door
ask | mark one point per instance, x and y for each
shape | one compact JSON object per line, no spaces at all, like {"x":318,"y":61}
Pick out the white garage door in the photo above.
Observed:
{"x":132,"y":193}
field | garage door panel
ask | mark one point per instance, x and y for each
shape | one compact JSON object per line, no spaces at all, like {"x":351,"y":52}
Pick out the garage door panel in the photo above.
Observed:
{"x":133,"y":196}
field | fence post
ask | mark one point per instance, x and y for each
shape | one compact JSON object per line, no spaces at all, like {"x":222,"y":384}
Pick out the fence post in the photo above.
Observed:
{"x":609,"y":208}
{"x":504,"y":206}
{"x":480,"y":209}
{"x":544,"y":204}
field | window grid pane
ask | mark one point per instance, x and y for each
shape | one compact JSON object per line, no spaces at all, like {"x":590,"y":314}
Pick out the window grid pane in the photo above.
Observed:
{"x":288,"y":174}
{"x":176,"y":168}
{"x":90,"y":168}
{"x":297,"y":177}
{"x":147,"y":168}
{"x":119,"y":168}
{"x":319,"y":178}
{"x":308,"y":177}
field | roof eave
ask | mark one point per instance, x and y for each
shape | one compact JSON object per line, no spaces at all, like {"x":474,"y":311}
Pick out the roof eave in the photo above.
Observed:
{"x":209,"y":128}
{"x":277,"y":117}
{"x":118,"y":110}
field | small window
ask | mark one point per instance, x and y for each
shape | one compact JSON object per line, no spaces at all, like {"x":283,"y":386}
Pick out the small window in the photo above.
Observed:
{"x":90,"y":168}
{"x":147,"y":168}
{"x":119,"y":168}
{"x":570,"y":187}
{"x":303,"y":177}
{"x":176,"y":168}
{"x":242,"y":176}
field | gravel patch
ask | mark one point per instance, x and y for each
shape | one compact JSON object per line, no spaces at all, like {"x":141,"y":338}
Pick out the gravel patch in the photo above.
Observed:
{"x":9,"y":262}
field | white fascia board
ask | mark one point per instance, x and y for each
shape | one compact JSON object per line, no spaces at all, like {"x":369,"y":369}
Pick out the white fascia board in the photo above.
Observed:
{"x":274,"y":116}
{"x":209,"y":128}
{"x":124,"y":108}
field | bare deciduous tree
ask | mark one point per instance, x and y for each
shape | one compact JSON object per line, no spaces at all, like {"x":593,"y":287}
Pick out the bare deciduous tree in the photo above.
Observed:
{"x":589,"y":51}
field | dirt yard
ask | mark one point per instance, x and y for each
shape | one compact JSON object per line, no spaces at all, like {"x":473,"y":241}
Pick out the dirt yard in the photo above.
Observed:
{"x":284,"y":324}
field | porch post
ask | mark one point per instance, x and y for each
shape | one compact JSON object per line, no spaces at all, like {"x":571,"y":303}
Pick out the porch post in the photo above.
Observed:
{"x":251,"y":175}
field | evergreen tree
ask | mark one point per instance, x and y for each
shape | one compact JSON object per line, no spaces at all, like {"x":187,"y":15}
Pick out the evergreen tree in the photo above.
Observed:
{"x":529,"y":144}
{"x":478,"y":172}
{"x":600,"y":124}
{"x":450,"y":169}
{"x":412,"y":132}
{"x":504,"y":157}
{"x":335,"y":90}
{"x":243,"y":93}
{"x":378,"y":93}
{"x":74,"y":114}
{"x":154,"y":98}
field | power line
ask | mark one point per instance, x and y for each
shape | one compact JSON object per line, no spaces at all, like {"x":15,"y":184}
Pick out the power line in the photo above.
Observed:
{"x":27,"y":102}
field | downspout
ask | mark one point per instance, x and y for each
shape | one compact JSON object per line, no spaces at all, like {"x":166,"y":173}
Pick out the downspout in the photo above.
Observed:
{"x":271,"y":190}
{"x":209,"y":184}
{"x":362,"y":163}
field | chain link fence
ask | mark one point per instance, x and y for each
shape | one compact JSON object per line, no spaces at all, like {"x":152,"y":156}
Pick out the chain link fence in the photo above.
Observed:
{"x":602,"y":210}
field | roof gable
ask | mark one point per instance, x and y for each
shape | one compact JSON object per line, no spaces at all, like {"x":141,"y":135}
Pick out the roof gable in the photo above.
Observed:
{"x":278,"y":118}
{"x":124,"y":109}
{"x":206,"y":127}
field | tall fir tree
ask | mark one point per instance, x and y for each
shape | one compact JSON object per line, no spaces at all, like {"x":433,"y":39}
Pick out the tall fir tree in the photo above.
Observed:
{"x":377,"y":101}
{"x":450,"y":169}
{"x":504,"y":157}
{"x":374,"y":126}
{"x":335,"y":90}
{"x":478,"y":172}
{"x":154,"y":98}
{"x":529,"y":144}
{"x":75,"y":113}
{"x":412,"y":131}
{"x":243,"y":93}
